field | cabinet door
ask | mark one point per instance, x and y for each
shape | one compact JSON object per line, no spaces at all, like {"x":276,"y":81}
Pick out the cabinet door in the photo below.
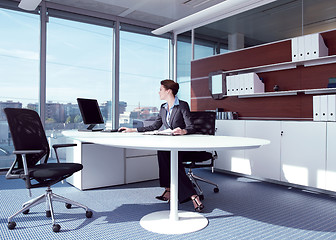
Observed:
{"x":232,"y":160}
{"x":265,"y":161}
{"x":102,"y":165}
{"x":331,"y":157}
{"x":141,"y":168}
{"x":303,"y":153}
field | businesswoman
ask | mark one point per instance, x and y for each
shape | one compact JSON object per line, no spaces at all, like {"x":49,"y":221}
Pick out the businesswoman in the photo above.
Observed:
{"x":175,"y":115}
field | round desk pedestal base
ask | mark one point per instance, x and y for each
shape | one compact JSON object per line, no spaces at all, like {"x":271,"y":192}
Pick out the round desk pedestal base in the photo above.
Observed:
{"x":159,"y":222}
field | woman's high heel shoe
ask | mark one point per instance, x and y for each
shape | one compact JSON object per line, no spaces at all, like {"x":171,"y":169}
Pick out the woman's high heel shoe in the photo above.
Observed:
{"x":199,"y":206}
{"x":163,"y":197}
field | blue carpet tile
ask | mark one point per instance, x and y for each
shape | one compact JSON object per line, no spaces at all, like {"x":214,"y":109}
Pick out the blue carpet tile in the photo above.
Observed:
{"x":243,"y":209}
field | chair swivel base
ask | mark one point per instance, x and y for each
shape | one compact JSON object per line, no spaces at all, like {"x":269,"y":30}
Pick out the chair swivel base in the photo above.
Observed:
{"x":193,"y":178}
{"x":48,"y":198}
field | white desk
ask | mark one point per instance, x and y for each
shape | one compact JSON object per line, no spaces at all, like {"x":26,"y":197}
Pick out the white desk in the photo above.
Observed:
{"x":173,"y":221}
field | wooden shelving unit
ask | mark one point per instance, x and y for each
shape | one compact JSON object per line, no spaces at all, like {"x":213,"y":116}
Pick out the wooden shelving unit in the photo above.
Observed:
{"x":284,"y":66}
{"x":290,"y":93}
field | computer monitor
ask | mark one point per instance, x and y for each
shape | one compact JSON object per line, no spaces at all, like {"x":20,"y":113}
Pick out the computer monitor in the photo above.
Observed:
{"x":90,"y":112}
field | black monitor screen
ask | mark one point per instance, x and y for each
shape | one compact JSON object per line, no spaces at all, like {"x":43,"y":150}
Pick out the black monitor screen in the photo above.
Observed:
{"x":90,"y":111}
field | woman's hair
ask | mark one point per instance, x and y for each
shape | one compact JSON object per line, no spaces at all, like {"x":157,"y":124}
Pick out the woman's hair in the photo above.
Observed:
{"x":170,"y":84}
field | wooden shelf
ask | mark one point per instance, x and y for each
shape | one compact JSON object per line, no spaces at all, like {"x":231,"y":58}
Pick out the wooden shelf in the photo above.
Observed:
{"x":320,"y":61}
{"x":289,"y":93}
{"x":319,"y":91}
{"x":285,"y":65}
{"x":269,"y":94}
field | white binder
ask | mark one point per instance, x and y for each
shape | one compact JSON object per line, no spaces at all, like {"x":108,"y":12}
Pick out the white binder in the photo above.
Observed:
{"x":295,"y":50}
{"x":254,"y":84}
{"x":324,"y":107}
{"x":236,"y":85}
{"x":317,"y":108}
{"x":248,"y":83}
{"x":331,"y":108}
{"x":229,"y":85}
{"x":309,"y":46}
{"x":242,"y":78}
{"x":319,"y":49}
{"x":301,"y":48}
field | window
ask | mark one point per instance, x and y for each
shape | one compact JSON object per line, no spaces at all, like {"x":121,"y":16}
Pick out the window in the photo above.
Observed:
{"x":144,"y":62}
{"x":79,"y":64}
{"x":19,"y":72}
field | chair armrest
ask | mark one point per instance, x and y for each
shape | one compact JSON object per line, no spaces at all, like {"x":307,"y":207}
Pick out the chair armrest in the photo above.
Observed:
{"x":24,"y":176}
{"x":26,"y":151}
{"x":9,"y":174}
{"x":64,"y":145}
{"x":56,"y":146}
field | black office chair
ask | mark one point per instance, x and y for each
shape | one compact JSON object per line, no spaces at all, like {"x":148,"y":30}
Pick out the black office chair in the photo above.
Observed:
{"x":204,"y":123}
{"x":31,"y":147}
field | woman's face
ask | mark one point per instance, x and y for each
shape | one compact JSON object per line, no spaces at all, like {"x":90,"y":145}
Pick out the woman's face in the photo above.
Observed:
{"x":163,"y":93}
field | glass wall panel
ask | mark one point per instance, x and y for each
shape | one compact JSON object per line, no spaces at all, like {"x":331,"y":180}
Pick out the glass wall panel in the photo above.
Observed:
{"x":183,"y":64}
{"x":202,"y":51}
{"x":79,"y":65}
{"x":144,"y":62}
{"x":318,"y":16}
{"x":272,"y":22}
{"x":19,"y":71}
{"x":206,"y":46}
{"x":269,"y":23}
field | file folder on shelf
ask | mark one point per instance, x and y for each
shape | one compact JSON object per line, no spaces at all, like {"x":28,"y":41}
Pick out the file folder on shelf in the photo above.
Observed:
{"x":319,"y":49}
{"x":236,"y":85}
{"x":324,"y":107}
{"x":295,"y":50}
{"x":316,"y":108}
{"x":331,"y":108}
{"x":308,"y":47}
{"x":247,"y":83}
{"x":242,"y":84}
{"x":253,"y":84}
{"x":301,"y":48}
{"x":229,"y":82}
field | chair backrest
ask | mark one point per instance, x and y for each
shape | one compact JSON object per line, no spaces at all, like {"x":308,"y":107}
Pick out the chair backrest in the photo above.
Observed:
{"x":27,"y":133}
{"x":204,"y":122}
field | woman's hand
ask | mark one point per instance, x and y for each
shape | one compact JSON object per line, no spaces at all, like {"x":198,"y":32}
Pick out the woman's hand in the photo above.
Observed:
{"x":125,"y":129}
{"x":179,"y":131}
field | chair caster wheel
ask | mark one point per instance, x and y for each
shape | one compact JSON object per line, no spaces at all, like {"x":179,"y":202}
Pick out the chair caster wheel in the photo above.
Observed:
{"x":88,"y":214}
{"x":201,"y":197}
{"x":48,"y":213}
{"x":56,"y":227}
{"x":216,"y":190}
{"x":26,"y":212}
{"x":68,"y":205}
{"x":11,"y":225}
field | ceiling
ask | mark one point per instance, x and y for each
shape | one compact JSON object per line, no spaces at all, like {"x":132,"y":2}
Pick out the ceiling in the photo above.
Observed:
{"x":160,"y":12}
{"x":281,"y":19}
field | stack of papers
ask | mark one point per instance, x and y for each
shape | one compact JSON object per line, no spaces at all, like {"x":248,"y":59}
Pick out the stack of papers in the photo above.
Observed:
{"x":167,"y":132}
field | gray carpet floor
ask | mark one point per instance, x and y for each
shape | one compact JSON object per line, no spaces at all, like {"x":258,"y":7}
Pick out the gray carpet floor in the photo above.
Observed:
{"x":243,"y":209}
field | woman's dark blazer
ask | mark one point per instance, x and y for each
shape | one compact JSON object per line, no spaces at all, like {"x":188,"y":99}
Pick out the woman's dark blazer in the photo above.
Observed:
{"x":180,"y":117}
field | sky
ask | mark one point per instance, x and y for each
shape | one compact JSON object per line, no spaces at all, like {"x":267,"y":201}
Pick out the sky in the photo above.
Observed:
{"x":79,"y":61}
